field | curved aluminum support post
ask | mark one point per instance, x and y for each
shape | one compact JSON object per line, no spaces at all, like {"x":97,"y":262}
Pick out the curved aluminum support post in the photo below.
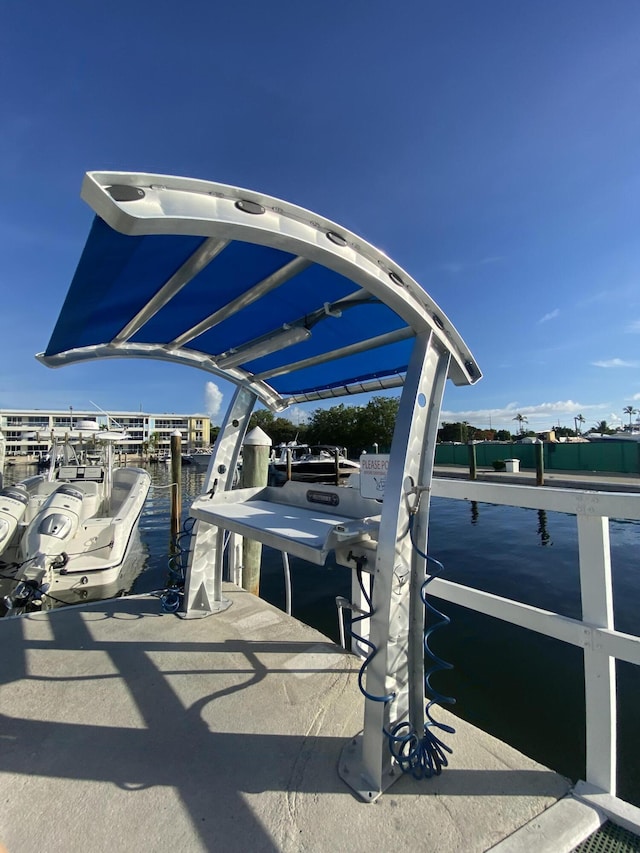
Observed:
{"x":203,"y":585}
{"x":397,"y":623}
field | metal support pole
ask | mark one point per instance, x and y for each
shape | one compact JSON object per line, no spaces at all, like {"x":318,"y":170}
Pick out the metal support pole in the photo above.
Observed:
{"x":396,"y":670}
{"x":203,"y":585}
{"x":287,"y":582}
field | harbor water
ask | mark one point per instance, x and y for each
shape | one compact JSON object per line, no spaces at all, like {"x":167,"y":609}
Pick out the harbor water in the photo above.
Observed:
{"x":524,"y":688}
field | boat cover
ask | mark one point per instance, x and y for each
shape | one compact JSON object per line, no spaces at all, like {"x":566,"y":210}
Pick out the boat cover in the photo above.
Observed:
{"x":250,"y":288}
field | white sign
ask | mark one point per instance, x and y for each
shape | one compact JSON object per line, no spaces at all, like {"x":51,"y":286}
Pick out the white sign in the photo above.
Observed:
{"x":373,"y":474}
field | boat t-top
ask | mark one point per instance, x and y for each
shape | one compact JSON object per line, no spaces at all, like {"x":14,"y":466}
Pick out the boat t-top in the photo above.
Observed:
{"x":290,"y":308}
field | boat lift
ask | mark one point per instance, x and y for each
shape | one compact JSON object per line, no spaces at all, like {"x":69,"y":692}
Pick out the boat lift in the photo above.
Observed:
{"x":290,"y":308}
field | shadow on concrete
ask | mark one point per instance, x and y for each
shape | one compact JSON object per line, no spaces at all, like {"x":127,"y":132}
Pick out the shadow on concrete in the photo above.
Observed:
{"x":211,"y":770}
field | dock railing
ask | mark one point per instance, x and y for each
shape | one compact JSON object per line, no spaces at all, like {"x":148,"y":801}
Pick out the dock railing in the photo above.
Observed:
{"x":595,"y":633}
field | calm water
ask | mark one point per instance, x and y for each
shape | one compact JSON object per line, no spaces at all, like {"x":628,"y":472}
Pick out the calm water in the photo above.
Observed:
{"x":525,"y":689}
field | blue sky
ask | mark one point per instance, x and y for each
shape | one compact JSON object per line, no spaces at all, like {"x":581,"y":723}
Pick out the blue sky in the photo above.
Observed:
{"x":491,"y":148}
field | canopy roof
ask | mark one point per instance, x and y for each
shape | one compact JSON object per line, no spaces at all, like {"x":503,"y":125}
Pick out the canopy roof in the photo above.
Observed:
{"x":244,"y":286}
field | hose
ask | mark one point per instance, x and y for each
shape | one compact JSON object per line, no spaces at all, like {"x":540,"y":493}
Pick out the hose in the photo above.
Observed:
{"x":171,"y":597}
{"x":423,"y":755}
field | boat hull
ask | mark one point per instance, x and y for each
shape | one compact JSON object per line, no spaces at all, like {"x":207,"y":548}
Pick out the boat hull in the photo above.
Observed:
{"x":94,"y":549}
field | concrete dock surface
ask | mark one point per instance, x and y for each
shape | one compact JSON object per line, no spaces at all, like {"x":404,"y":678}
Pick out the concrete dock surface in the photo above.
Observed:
{"x":126,"y":729}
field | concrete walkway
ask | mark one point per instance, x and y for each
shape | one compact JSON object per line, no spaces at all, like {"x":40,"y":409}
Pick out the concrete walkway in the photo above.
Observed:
{"x":124,"y":729}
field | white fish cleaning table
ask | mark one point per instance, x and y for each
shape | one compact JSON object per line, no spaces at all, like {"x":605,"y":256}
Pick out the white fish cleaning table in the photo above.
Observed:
{"x":304,"y":521}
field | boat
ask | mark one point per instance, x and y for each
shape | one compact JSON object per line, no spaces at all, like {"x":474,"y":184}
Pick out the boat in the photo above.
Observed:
{"x":618,"y":435}
{"x":71,"y":528}
{"x":200,"y":458}
{"x":312,"y":463}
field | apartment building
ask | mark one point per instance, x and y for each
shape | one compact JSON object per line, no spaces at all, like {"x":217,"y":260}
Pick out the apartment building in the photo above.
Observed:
{"x":26,"y":430}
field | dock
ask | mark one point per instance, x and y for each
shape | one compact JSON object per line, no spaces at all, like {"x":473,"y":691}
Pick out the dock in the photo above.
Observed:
{"x":601,"y":481}
{"x":232,"y":726}
{"x":128,"y":729}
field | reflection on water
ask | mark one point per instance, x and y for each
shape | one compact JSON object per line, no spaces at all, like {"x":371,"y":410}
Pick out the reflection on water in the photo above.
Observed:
{"x":475,"y":512}
{"x":542,"y":531}
{"x":545,"y":536}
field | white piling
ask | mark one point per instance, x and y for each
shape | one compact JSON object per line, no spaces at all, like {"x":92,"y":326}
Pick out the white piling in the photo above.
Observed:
{"x":255,"y":471}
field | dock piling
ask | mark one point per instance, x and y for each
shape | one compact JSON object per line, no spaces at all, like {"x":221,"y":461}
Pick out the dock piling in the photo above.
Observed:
{"x":473,"y":463}
{"x":255,"y":470}
{"x":176,"y":482}
{"x":539,"y":451}
{"x":2,"y":456}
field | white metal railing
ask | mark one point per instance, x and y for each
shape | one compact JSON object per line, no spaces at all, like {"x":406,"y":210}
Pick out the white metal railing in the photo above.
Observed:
{"x":595,"y":632}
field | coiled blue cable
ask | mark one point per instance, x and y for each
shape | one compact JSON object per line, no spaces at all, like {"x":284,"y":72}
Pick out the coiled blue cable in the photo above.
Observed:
{"x":374,"y":649}
{"x":423,"y":756}
{"x":171,"y":598}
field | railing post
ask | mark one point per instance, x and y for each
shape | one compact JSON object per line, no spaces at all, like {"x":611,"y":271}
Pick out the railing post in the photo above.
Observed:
{"x":599,"y":668}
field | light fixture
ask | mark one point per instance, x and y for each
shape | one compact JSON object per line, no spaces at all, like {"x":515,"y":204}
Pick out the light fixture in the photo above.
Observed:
{"x":285,"y":337}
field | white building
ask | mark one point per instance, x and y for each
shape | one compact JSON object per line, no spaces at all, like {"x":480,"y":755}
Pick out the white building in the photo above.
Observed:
{"x":26,"y":430}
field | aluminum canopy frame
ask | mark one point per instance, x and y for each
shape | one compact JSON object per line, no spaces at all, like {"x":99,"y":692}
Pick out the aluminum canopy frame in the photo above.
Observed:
{"x":250,"y":288}
{"x":290,"y":308}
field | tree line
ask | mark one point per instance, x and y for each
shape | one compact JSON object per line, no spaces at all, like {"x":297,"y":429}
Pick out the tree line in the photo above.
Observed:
{"x":371,"y":427}
{"x":357,"y":428}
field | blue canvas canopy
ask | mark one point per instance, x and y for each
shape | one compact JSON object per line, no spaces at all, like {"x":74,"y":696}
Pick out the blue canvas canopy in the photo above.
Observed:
{"x":250,"y":288}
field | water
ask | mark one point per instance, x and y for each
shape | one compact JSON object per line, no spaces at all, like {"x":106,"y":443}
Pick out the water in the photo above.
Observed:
{"x":526,"y":689}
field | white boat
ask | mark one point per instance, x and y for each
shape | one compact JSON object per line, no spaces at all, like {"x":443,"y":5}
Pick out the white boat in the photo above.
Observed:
{"x":199,"y":458}
{"x":70,"y":529}
{"x":312,"y":463}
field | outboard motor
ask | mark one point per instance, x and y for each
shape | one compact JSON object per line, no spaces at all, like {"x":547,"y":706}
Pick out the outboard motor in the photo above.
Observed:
{"x":14,"y":501}
{"x":53,"y":526}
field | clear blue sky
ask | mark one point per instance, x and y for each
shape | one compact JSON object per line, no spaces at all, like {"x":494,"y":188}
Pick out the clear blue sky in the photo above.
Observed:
{"x":491,"y":148}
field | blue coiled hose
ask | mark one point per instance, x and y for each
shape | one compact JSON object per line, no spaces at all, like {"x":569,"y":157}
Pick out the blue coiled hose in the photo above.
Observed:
{"x":171,"y":597}
{"x":421,"y":755}
{"x":373,"y":648}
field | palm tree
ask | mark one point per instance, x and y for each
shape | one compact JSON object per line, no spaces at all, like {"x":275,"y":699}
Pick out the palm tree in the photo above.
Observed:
{"x":578,"y":420}
{"x":629,"y":410}
{"x":522,"y":419}
{"x":602,"y":427}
